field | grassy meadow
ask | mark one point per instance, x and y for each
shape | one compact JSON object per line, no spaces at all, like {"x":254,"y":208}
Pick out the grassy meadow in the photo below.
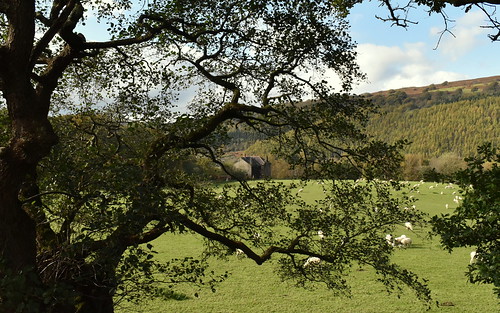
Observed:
{"x":253,"y":288}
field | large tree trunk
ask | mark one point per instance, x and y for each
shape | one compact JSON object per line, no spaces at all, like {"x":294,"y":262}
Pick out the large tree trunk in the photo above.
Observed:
{"x":17,"y":244}
{"x":32,"y":138}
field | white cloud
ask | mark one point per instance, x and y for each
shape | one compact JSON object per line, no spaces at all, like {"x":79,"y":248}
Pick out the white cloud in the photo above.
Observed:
{"x":392,"y":67}
{"x":467,"y":35}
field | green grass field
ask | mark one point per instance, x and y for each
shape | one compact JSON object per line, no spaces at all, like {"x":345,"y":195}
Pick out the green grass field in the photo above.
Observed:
{"x":253,"y":288}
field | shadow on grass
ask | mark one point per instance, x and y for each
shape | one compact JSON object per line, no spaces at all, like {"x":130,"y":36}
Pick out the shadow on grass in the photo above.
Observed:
{"x":173,"y":295}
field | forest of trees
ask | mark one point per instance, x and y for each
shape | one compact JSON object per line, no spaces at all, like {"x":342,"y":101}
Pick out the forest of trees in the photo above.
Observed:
{"x":457,"y":127}
{"x":443,"y":128}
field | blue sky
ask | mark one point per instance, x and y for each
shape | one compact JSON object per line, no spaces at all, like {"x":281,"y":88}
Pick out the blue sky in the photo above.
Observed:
{"x":393,"y":57}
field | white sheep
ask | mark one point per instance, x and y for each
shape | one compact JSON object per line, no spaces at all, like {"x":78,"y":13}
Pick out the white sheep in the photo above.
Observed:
{"x":312,"y":260}
{"x":402,"y":241}
{"x":397,"y":240}
{"x":457,"y":199}
{"x":389,"y":239}
{"x":409,"y":226}
{"x":256,"y":236}
{"x":240,"y":252}
{"x":473,"y":257}
{"x":406,"y":242}
{"x":321,"y":235}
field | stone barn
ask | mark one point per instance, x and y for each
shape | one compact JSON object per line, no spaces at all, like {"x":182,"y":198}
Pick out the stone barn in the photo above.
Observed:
{"x":254,"y":167}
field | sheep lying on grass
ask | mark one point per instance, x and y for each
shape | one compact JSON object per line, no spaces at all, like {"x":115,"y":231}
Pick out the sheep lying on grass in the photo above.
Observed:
{"x":403,"y":241}
{"x":400,"y":242}
{"x":409,"y":226}
{"x":313,"y":260}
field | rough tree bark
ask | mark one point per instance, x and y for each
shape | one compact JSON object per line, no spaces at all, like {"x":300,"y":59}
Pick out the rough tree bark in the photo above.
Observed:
{"x":31,"y":138}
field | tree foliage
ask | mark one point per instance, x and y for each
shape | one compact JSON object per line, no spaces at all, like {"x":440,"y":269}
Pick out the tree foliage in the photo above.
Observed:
{"x":475,"y":222}
{"x":84,"y":192}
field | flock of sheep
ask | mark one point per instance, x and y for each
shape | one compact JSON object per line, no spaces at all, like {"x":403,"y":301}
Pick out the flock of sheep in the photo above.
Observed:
{"x":401,"y":242}
{"x":397,"y":242}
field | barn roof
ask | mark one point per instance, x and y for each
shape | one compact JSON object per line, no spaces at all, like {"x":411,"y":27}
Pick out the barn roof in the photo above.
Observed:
{"x":254,"y":160}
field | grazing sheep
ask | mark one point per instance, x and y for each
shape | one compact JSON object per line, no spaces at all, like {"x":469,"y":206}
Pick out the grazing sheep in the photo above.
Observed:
{"x":457,"y":199}
{"x":397,"y":240}
{"x":239,"y":252}
{"x":402,"y":241}
{"x":473,"y":257}
{"x":406,"y":242}
{"x":312,"y":260}
{"x":321,"y":235}
{"x":256,"y":236}
{"x":389,"y":239}
{"x":409,"y":226}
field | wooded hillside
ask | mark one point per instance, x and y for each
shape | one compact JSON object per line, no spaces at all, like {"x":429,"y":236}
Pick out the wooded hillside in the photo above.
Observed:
{"x":457,"y":127}
{"x":451,"y":117}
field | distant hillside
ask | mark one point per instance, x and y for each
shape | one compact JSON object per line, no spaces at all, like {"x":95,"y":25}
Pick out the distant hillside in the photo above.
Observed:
{"x":457,"y":127}
{"x":449,"y":117}
{"x":466,"y":85}
{"x":439,"y":118}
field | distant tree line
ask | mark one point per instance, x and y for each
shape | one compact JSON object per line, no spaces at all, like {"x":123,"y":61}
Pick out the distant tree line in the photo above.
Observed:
{"x":444,"y":129}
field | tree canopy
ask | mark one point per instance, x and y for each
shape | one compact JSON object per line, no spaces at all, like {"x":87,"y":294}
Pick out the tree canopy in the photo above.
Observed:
{"x":475,"y":222}
{"x":89,"y":174}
